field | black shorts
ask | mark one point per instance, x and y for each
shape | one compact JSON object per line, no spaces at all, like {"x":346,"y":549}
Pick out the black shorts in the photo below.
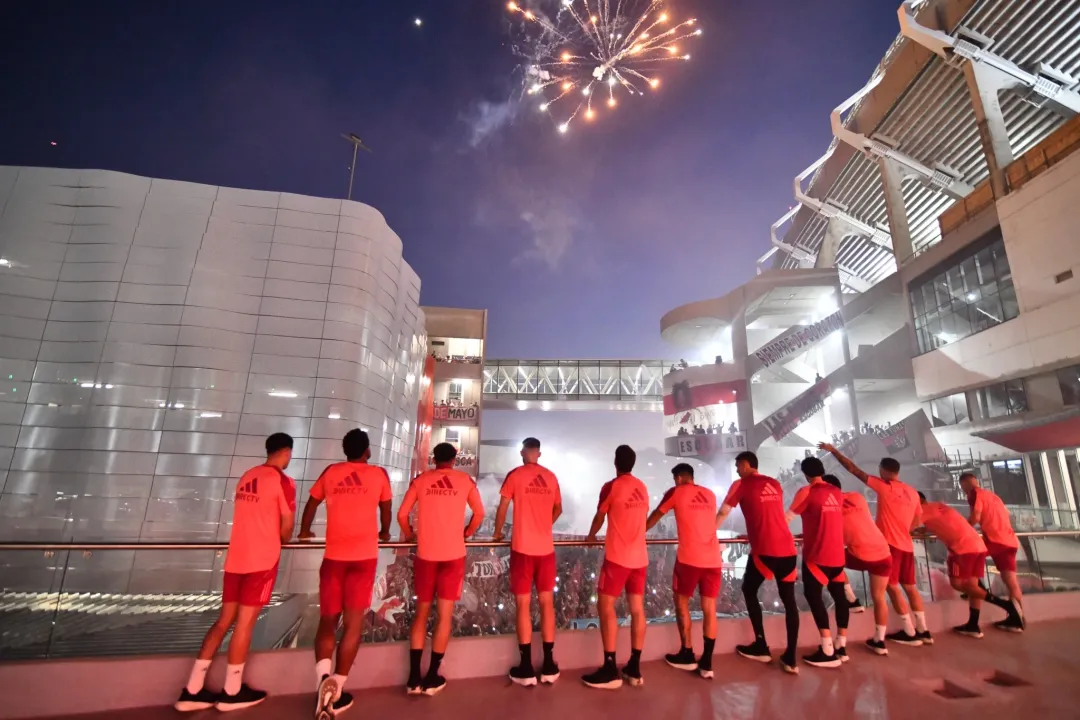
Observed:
{"x":818,"y":576}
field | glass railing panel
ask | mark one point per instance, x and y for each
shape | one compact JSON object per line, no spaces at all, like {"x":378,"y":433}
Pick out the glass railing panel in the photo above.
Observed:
{"x":30,"y":584}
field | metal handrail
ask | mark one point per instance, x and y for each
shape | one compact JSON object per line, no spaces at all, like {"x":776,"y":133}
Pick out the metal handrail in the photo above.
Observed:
{"x":398,"y":545}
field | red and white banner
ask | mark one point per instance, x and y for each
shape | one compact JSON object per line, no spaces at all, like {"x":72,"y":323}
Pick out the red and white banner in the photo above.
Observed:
{"x":802,"y":338}
{"x":469,"y":415}
{"x":782,"y":422}
{"x":684,"y":396}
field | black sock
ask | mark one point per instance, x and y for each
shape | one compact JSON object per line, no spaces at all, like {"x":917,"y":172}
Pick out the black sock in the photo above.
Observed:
{"x":707,"y":653}
{"x":635,"y":659}
{"x":609,"y":659}
{"x":549,"y":653}
{"x":973,"y":617}
{"x":526,"y":654}
{"x":436,"y":660}
{"x":415,"y":656}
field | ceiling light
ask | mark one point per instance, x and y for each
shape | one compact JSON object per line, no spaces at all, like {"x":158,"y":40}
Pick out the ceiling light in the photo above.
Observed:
{"x":281,"y":393}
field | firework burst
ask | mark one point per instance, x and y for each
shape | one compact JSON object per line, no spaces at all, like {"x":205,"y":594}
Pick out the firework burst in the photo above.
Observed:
{"x":590,"y":52}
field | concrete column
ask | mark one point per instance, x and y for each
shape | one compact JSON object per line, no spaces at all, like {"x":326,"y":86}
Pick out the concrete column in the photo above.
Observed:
{"x":830,"y":245}
{"x":892,"y":178}
{"x":739,"y":344}
{"x":985,"y":88}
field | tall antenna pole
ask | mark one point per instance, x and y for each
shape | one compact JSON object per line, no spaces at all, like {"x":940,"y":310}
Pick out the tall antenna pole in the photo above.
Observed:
{"x":357,"y":144}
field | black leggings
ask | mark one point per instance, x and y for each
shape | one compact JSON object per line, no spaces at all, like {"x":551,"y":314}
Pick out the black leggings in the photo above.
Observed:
{"x":783,"y":569}
{"x":812,"y":587}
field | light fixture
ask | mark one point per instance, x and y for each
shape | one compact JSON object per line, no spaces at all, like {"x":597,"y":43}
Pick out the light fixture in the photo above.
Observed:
{"x":86,"y":385}
{"x":209,"y":414}
{"x":4,"y":262}
{"x":334,"y":416}
{"x":281,"y":393}
{"x":178,"y":406}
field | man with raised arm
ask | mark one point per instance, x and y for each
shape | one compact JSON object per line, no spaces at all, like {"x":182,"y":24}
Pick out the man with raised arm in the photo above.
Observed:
{"x":440,"y":497}
{"x":772,"y":555}
{"x":990,"y":514}
{"x":624,"y":504}
{"x":966,"y":563}
{"x":263,"y":518}
{"x":534,"y":491}
{"x":357,"y":497}
{"x":697,"y":565}
{"x":898,"y":513}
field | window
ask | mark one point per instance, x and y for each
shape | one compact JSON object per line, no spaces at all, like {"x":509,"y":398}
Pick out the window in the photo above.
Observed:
{"x":1069,"y":381}
{"x":949,"y":410}
{"x":1007,"y":479}
{"x":972,"y":293}
{"x":455,"y":391}
{"x":1001,"y":399}
{"x":453,"y":436}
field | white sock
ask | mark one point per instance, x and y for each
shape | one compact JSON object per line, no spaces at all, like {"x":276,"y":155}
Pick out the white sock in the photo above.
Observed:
{"x":909,"y":627}
{"x":826,"y":645}
{"x":340,"y":680}
{"x":920,"y":621}
{"x":234,"y":677}
{"x":849,"y":593}
{"x":197,"y":679}
{"x":879,"y":633}
{"x":322,"y":669}
{"x":841,"y":641}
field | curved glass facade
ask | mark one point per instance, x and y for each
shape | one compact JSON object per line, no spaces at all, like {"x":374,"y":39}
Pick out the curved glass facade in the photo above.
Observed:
{"x":154,"y":332}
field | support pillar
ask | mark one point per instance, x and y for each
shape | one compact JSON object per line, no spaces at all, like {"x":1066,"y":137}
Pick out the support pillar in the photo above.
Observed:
{"x":744,"y":407}
{"x":892,"y":179}
{"x":984,"y":87}
{"x":830,"y":245}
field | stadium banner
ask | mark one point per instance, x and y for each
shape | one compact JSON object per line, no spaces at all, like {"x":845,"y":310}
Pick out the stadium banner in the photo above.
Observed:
{"x":457,"y":415}
{"x":489,"y":568}
{"x":684,"y":396}
{"x":781,"y":423}
{"x":802,"y":338}
{"x":705,"y":445}
{"x":895,"y":437}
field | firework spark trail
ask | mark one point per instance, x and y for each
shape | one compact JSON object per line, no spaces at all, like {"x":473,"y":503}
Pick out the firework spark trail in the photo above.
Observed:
{"x":590,"y":42}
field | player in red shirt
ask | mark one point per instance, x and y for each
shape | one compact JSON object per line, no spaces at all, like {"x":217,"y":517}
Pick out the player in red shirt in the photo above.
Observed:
{"x":440,"y":496}
{"x":624,"y":503}
{"x":822,"y":509}
{"x":988,"y":512}
{"x":534,"y":491}
{"x":697,"y":564}
{"x":897,"y":515}
{"x":263,"y":517}
{"x":357,"y":499}
{"x":772,"y":555}
{"x":966,"y":562}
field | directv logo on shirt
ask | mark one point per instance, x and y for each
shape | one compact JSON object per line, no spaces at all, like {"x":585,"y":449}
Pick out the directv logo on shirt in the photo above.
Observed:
{"x":443,"y":486}
{"x":537,"y":486}
{"x":350,"y":485}
{"x":770,"y":494}
{"x":249,"y":491}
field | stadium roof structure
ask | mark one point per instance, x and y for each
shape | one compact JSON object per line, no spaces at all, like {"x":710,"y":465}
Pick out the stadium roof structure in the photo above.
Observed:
{"x":918,"y":103}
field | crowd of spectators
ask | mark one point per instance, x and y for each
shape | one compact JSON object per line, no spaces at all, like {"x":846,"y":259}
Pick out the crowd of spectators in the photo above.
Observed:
{"x":708,"y":429}
{"x":455,"y":404}
{"x":467,"y":359}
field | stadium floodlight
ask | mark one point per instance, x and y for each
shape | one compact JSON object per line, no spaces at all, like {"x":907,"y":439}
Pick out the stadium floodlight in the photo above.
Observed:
{"x":940,"y":177}
{"x":357,"y":144}
{"x":1046,"y":85}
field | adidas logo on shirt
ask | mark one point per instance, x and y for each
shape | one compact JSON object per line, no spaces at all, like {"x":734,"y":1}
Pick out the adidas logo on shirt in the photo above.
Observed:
{"x":537,"y":486}
{"x":831,"y":500}
{"x":350,"y":485}
{"x":442,"y":486}
{"x":637,"y":498}
{"x":249,"y":491}
{"x":770,"y":494}
{"x":831,"y":504}
{"x":700,"y":499}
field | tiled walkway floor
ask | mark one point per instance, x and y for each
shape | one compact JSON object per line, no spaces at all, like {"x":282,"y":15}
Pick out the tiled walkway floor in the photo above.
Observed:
{"x":901,"y":686}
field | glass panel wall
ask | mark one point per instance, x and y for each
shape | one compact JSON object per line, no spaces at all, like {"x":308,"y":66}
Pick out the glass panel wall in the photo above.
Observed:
{"x":1001,"y":399}
{"x":948,"y":410}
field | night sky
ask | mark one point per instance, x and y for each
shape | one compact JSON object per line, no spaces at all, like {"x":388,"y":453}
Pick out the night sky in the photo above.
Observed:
{"x":576,"y":244}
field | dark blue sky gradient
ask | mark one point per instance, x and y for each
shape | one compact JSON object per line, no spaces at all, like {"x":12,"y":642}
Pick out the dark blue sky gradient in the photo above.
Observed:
{"x":576,"y":244}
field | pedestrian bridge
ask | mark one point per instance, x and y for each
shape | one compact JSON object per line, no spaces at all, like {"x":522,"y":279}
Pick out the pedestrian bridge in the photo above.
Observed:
{"x":636,"y":385}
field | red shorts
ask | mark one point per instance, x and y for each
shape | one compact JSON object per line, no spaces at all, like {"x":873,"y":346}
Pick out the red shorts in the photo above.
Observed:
{"x":438,"y":578}
{"x":969,"y":566}
{"x":903,"y":567}
{"x":1004,"y":556}
{"x":877,"y":568}
{"x":527,"y":569}
{"x":345,"y":585}
{"x":688,"y":578}
{"x":615,"y":578}
{"x":252,"y":589}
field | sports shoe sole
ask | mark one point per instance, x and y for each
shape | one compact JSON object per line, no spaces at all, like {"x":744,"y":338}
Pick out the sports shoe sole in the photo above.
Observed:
{"x":756,"y":658}
{"x":909,"y":643}
{"x":229,"y":707}
{"x":432,"y":692}
{"x":969,"y":633}
{"x":927,"y":641}
{"x":1009,"y":629}
{"x":338,"y":710}
{"x":857,"y":609}
{"x":524,"y":682}
{"x":324,"y":700}
{"x":187,"y":706}
{"x":706,"y":674}
{"x":610,"y":685}
{"x":827,"y":664}
{"x":634,"y":681}
{"x":689,"y":667}
{"x":549,"y":679}
{"x":414,"y":690}
{"x":880,"y":652}
{"x":790,"y":669}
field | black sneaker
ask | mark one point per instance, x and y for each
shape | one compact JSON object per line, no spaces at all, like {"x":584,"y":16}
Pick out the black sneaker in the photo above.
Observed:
{"x":821,"y":660}
{"x":414,"y":686}
{"x":787,"y":663}
{"x":324,"y":700}
{"x":970,"y":630}
{"x":841,"y":652}
{"x":245,"y":698}
{"x":1012,"y":624}
{"x":433,"y":685}
{"x":633,"y":675}
{"x":877,"y":646}
{"x":704,"y":667}
{"x":926,"y":637}
{"x":682,"y":660}
{"x":856,"y":606}
{"x":523,"y":675}
{"x":606,"y":678}
{"x":343,"y":703}
{"x":549,"y":673}
{"x":194,"y":702}
{"x":903,"y":638}
{"x":757,"y":651}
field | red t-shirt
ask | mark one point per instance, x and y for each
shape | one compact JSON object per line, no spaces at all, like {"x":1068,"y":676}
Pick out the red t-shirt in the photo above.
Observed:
{"x":761,"y":500}
{"x":822,"y":509}
{"x":534,"y":491}
{"x":263,"y":495}
{"x":353,"y":491}
{"x":994,"y":518}
{"x":695,"y":519}
{"x":952,"y":528}
{"x":441,"y":497}
{"x":625,"y":500}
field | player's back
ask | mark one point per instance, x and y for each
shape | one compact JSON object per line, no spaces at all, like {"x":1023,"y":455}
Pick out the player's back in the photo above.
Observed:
{"x":535,"y":492}
{"x":994,"y":518}
{"x":352,"y":491}
{"x":898,"y":507}
{"x":823,"y":525}
{"x":952,"y":528}
{"x":263,"y":494}
{"x":626,"y":500}
{"x":761,"y":500}
{"x":441,"y":498}
{"x":695,"y":521}
{"x":862,"y":536}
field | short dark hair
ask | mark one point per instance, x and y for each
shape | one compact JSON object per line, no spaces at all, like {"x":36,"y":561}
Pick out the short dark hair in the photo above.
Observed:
{"x":748,"y":456}
{"x":812,"y":467}
{"x":682,"y":469}
{"x":890,"y":464}
{"x":921,"y":496}
{"x":625,"y":457}
{"x":968,"y":474}
{"x":278,"y":441}
{"x":832,"y":480}
{"x":530,"y":443}
{"x":444,"y":453}
{"x":355,"y":444}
